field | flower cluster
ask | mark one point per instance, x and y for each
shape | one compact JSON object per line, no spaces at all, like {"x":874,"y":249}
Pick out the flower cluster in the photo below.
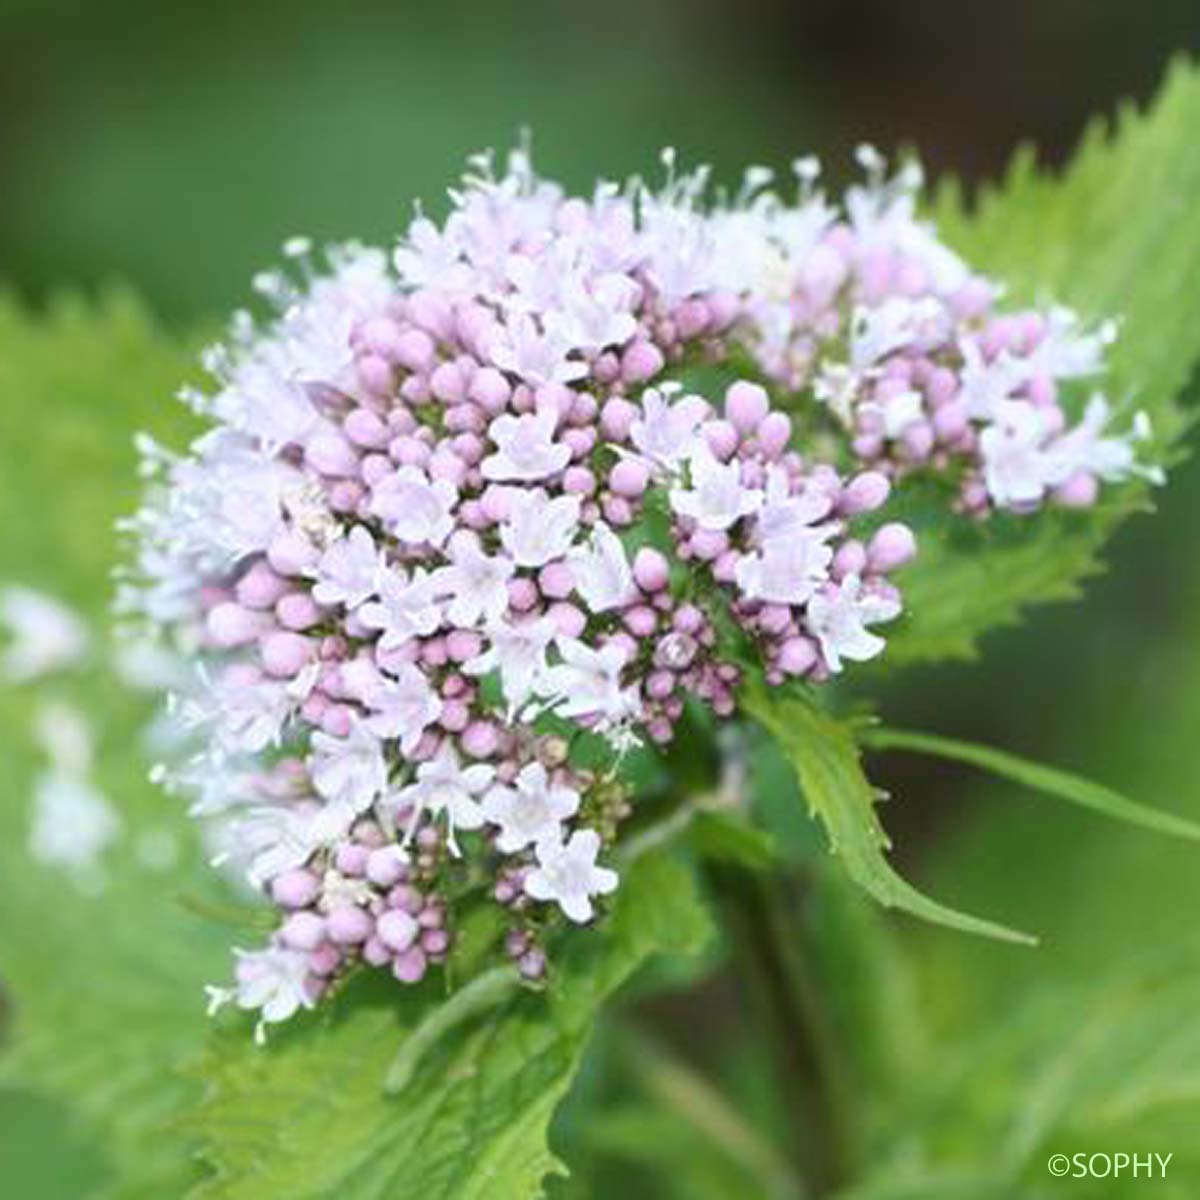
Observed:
{"x":459,"y":510}
{"x":885,"y":326}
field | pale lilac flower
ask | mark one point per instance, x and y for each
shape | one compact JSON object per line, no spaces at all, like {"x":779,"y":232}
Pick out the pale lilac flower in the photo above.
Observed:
{"x":415,"y":508}
{"x":786,"y":514}
{"x":407,"y":607}
{"x":273,"y":981}
{"x":787,"y":570}
{"x":537,"y":529}
{"x":525,"y":447}
{"x":516,"y":649}
{"x":715,"y":497}
{"x":474,"y":582}
{"x":1016,"y":466}
{"x":567,"y":874}
{"x":530,"y":811}
{"x":349,"y":771}
{"x":272,"y":839}
{"x":665,"y":433}
{"x":986,"y":386}
{"x":587,"y":683}
{"x":601,"y":570}
{"x":403,"y":707}
{"x":444,"y":787}
{"x":1112,"y":458}
{"x":348,"y":570}
{"x":838,"y":618}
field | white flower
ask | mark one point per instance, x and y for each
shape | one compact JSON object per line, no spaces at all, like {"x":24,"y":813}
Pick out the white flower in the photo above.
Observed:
{"x":46,"y":635}
{"x":877,"y":332}
{"x":567,"y":874}
{"x":665,"y":434}
{"x":529,"y":812}
{"x":348,"y":570}
{"x":537,"y":529}
{"x":587,"y":683}
{"x":475,"y":583}
{"x":838,"y":619}
{"x":787,"y":570}
{"x":246,"y":716}
{"x":984,"y":386}
{"x":349,"y":771}
{"x":601,"y":570}
{"x":525,"y":447}
{"x":406,"y":608}
{"x":445,"y":787}
{"x":785,"y":514}
{"x":518,"y":651}
{"x":273,"y":838}
{"x":415,"y":508}
{"x":1016,"y":466}
{"x":897,"y":412}
{"x":73,"y":821}
{"x":274,"y":981}
{"x":594,"y":313}
{"x":535,"y":355}
{"x":716,"y":498}
{"x":403,"y":707}
{"x":262,"y":401}
{"x":1067,"y":353}
{"x":837,"y":385}
{"x":430,"y":257}
{"x":1109,"y":458}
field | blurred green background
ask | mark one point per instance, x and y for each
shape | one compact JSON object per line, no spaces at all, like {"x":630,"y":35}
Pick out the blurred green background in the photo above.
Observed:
{"x":173,"y":147}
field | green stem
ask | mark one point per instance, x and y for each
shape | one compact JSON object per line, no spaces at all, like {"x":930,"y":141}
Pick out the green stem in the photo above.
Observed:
{"x":483,"y":992}
{"x":676,"y":1086}
{"x":762,"y":913}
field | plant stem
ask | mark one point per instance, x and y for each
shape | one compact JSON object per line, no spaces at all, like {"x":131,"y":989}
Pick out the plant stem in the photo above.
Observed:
{"x":762,"y":914}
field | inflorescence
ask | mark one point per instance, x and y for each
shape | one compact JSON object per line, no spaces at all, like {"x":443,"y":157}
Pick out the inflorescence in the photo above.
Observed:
{"x":459,"y":507}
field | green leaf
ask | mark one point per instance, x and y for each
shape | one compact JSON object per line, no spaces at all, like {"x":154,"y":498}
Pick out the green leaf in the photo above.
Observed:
{"x":1116,"y":235}
{"x":825,"y":757}
{"x":103,"y":987}
{"x":1041,"y":778}
{"x":308,"y":1117}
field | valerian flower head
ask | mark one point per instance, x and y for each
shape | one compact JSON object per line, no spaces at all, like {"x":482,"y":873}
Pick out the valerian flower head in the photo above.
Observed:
{"x":462,"y":510}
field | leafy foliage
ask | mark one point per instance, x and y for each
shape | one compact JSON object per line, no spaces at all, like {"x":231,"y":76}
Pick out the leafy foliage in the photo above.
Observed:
{"x":1117,"y":235}
{"x":826,"y":759}
{"x":308,"y":1116}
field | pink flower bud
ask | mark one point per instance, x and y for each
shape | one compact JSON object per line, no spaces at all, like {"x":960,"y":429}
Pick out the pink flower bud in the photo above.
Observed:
{"x":260,"y":587}
{"x":302,"y":931}
{"x":331,"y":454}
{"x":721,"y":437}
{"x":285,"y":655}
{"x":349,"y":925}
{"x":385,"y":867}
{"x":892,"y":546}
{"x":865,"y":493}
{"x":232,"y":625}
{"x":556,"y":580}
{"x":651,"y":571}
{"x":746,"y":404}
{"x":628,"y":478}
{"x":295,"y":889}
{"x":774,"y":433}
